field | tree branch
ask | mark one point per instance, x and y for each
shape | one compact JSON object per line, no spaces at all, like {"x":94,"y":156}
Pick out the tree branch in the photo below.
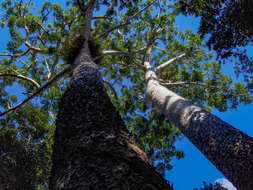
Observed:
{"x":146,"y":60}
{"x":121,"y":53}
{"x":112,"y":88}
{"x":41,"y":89}
{"x":56,"y":60}
{"x":17,"y":54}
{"x":162,"y":66}
{"x":81,"y":7}
{"x":191,"y":83}
{"x":146,"y":125}
{"x":32,"y":48}
{"x":139,"y":66}
{"x":101,"y":17}
{"x":44,"y":29}
{"x":21,"y":77}
{"x":47,"y":67}
{"x":116,"y":52}
{"x":55,"y":63}
{"x":125,"y":23}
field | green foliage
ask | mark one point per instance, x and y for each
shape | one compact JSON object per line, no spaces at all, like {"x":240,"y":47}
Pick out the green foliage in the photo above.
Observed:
{"x":216,"y":186}
{"x":229,"y":27}
{"x":52,"y":37}
{"x":25,"y":148}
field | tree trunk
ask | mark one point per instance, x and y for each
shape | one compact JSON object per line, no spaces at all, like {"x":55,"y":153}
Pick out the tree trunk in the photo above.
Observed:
{"x":229,"y":149}
{"x":92,"y":148}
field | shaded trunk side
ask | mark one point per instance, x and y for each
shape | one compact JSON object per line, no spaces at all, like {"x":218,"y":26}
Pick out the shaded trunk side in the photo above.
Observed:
{"x":92,"y":148}
{"x":229,"y":149}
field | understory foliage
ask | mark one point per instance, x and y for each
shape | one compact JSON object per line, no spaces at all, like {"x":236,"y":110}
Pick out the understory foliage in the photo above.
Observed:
{"x":40,"y":45}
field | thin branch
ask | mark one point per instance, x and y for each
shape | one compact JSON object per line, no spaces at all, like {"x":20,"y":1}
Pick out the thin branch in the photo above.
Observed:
{"x":56,"y":61}
{"x":111,"y":29}
{"x":114,"y":82}
{"x":146,"y":60}
{"x":42,"y":27}
{"x":47,"y":67}
{"x":139,"y":66}
{"x":121,"y":34}
{"x":102,"y":17}
{"x":162,"y":49}
{"x":41,"y":40}
{"x":21,"y":77}
{"x":81,"y":7}
{"x":135,"y":65}
{"x":32,"y":48}
{"x":26,"y":29}
{"x":125,"y":23}
{"x":44,"y":18}
{"x":191,"y":83}
{"x":121,"y":53}
{"x":41,"y":89}
{"x":8,"y":105}
{"x":162,"y":66}
{"x":140,"y":11}
{"x":27,"y":36}
{"x":146,"y":125}
{"x":17,"y":54}
{"x":116,"y":52}
{"x":112,"y":88}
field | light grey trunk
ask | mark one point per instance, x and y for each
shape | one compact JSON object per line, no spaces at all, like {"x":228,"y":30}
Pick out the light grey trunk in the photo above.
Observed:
{"x":229,"y":149}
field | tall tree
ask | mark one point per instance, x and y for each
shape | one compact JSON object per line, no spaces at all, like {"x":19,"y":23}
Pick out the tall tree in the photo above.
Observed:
{"x":128,"y":35}
{"x":92,"y":147}
{"x":229,"y":149}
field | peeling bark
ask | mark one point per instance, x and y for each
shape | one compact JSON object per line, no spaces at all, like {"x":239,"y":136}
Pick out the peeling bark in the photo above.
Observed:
{"x":229,"y":149}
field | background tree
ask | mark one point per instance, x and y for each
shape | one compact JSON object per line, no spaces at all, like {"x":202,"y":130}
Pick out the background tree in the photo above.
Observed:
{"x":38,"y":49}
{"x":230,"y":27}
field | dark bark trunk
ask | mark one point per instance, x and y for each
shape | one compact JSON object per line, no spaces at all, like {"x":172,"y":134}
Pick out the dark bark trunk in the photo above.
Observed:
{"x":92,"y":147}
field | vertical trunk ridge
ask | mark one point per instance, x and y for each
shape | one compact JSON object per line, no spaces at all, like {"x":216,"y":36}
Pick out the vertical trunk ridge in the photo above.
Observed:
{"x":92,"y":148}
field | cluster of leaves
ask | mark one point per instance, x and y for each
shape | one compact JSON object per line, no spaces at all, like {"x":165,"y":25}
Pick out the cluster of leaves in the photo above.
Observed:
{"x":229,"y":26}
{"x":216,"y":186}
{"x":25,"y":148}
{"x":42,"y":39}
{"x":202,"y":80}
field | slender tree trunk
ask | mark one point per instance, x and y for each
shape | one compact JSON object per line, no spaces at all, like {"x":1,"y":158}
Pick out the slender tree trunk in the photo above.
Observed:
{"x":229,"y":149}
{"x":92,"y":147}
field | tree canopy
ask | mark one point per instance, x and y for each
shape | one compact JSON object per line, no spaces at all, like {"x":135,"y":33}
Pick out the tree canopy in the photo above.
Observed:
{"x":228,"y":27}
{"x":44,"y":37}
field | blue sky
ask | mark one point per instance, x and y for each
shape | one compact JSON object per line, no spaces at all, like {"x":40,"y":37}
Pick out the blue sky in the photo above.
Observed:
{"x":190,"y":171}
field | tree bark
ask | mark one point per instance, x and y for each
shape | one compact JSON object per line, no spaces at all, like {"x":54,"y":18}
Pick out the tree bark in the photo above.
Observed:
{"x":92,"y":148}
{"x":229,"y":149}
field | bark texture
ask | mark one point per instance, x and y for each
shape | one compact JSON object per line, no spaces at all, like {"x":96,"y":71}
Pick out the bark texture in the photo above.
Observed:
{"x":229,"y":149}
{"x":92,"y":148}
